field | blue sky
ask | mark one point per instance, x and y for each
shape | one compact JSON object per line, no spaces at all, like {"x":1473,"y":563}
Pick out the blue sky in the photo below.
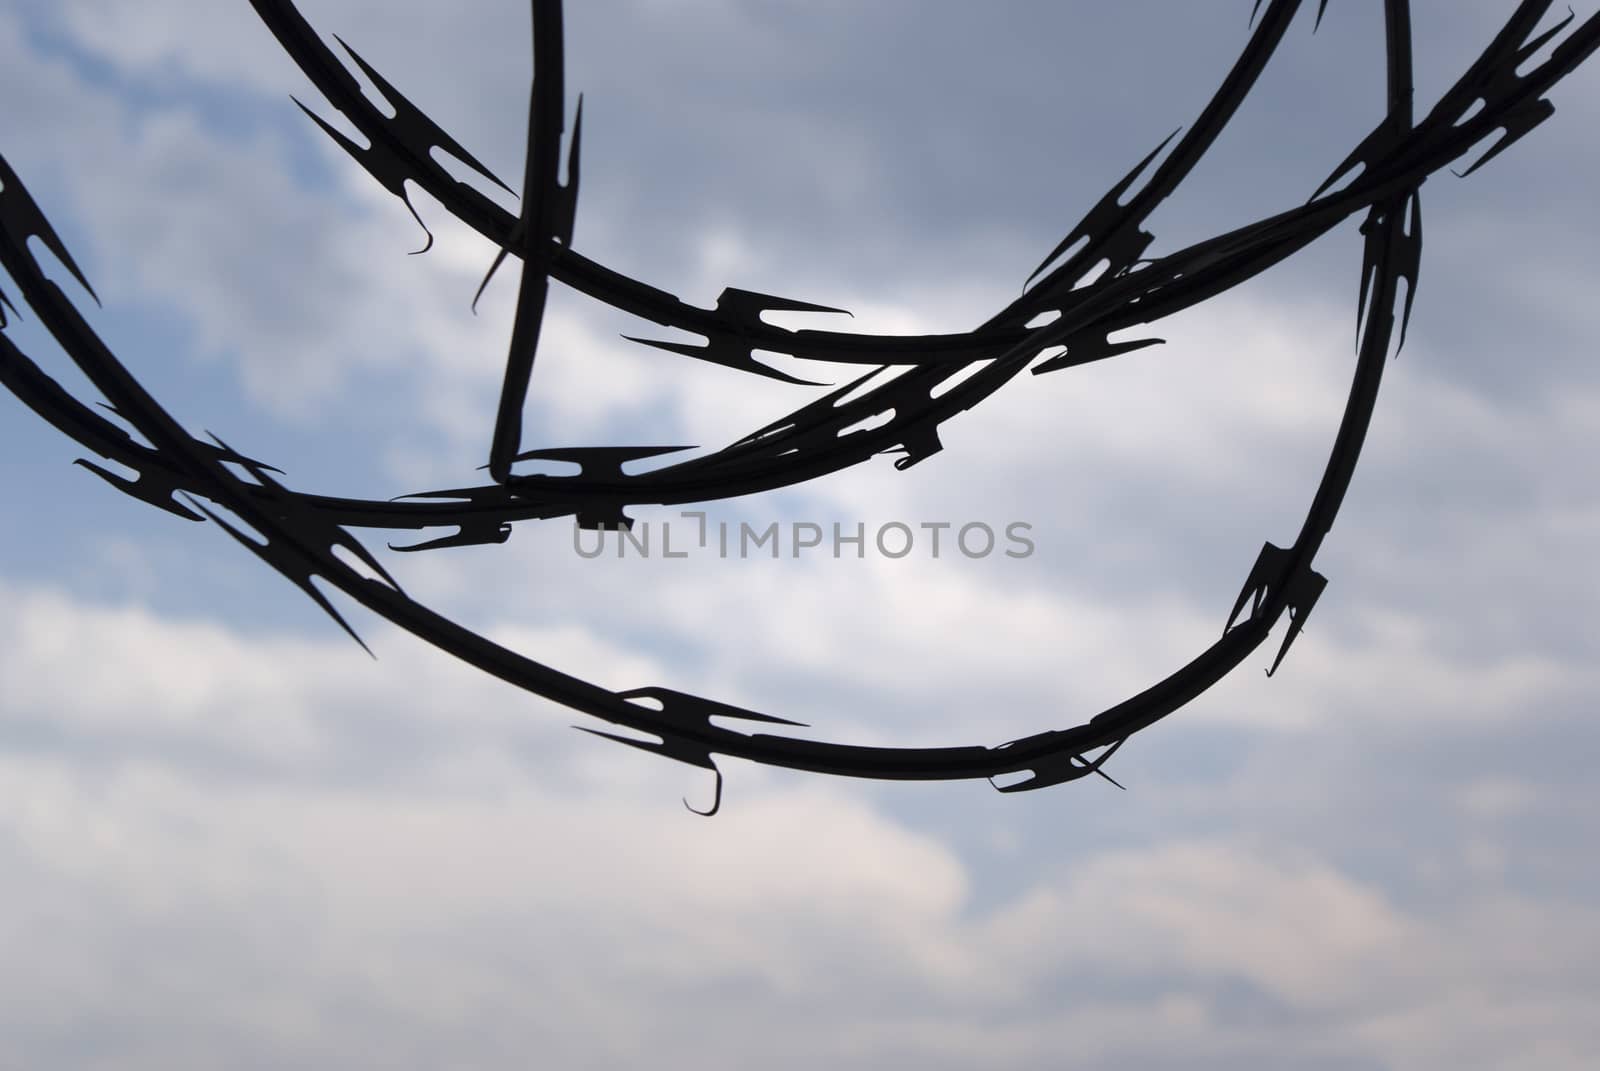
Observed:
{"x":231,"y":839}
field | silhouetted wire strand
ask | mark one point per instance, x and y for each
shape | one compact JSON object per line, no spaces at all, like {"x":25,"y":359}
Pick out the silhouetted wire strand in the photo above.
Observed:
{"x":302,"y":531}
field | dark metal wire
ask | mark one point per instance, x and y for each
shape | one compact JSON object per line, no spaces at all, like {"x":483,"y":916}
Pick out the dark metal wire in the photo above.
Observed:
{"x":1381,"y":176}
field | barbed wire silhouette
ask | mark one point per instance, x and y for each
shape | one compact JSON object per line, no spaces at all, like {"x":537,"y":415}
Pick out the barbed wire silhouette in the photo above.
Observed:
{"x":1096,"y":282}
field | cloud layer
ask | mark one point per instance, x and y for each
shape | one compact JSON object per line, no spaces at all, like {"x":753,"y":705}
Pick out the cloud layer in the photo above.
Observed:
{"x":229,"y":838}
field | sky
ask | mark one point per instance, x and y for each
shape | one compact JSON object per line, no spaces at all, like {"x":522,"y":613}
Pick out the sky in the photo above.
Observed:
{"x":230,"y":838}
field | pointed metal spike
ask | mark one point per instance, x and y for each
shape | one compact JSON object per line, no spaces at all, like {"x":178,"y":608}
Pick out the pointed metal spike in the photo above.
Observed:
{"x":393,"y":183}
{"x":29,"y":219}
{"x":365,"y":556}
{"x":300,"y":579}
{"x":1410,"y":251}
{"x":1376,"y":144}
{"x":1516,"y":125}
{"x":684,"y":705}
{"x":704,"y":352}
{"x":689,"y":754}
{"x":409,"y":114}
{"x":597,"y":460}
{"x":1303,"y":594}
{"x":1113,"y":780}
{"x":328,"y":608}
{"x":256,"y":468}
{"x":466,"y":536}
{"x":499,"y":259}
{"x":329,"y":129}
{"x":1265,"y":573}
{"x":1526,"y":51}
{"x":1084,"y":349}
{"x":146,"y":489}
{"x":751,"y":304}
{"x":566,"y":209}
{"x":1097,"y":216}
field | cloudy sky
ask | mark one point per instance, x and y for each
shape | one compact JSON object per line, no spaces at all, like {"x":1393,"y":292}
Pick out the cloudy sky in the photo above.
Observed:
{"x":230,"y":839}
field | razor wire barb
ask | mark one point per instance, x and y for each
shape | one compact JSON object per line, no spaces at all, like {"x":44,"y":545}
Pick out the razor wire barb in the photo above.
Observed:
{"x":1096,"y":282}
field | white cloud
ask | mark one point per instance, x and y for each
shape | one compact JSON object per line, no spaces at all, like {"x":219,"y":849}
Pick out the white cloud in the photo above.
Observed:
{"x":315,"y":922}
{"x":218,"y":43}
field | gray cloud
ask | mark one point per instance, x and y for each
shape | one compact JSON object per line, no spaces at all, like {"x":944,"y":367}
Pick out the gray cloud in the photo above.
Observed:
{"x":233,"y":839}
